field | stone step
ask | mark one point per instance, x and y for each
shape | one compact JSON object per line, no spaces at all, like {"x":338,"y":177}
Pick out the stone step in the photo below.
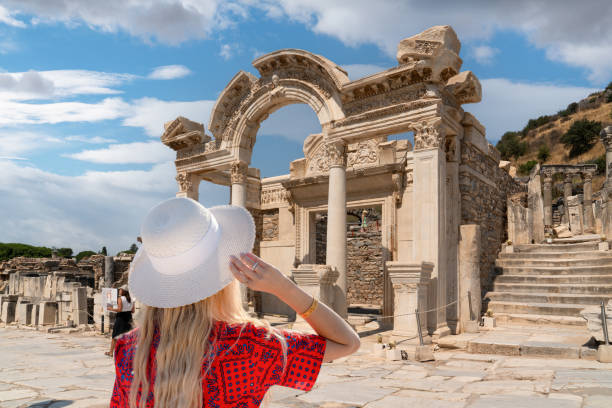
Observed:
{"x":534,"y":248}
{"x":555,"y":279}
{"x":558,"y":309}
{"x":557,"y":270}
{"x":568,"y":322}
{"x":570,"y":255}
{"x":606,"y":261}
{"x":549,"y":298}
{"x":562,"y":288}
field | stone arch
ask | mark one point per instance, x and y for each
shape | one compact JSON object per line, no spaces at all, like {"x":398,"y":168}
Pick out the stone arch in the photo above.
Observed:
{"x":288,"y":76}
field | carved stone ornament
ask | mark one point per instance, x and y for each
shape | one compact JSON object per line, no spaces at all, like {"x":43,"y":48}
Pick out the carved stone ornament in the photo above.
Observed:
{"x":427,"y":135}
{"x":450,"y":148}
{"x":363,"y":154}
{"x":184,"y":182}
{"x":238,"y":172}
{"x":398,"y":187}
{"x":335,"y":153}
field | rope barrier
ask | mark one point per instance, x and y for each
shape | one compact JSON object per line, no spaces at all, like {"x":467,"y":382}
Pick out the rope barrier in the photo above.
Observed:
{"x":414,"y":313}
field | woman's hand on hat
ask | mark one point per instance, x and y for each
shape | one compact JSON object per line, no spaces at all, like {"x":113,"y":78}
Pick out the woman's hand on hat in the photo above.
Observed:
{"x":257,"y":274}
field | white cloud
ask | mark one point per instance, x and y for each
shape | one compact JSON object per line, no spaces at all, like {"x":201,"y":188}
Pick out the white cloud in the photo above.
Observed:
{"x":13,"y":144}
{"x":87,"y":211}
{"x":12,"y":158}
{"x":484,"y":54}
{"x":527,"y":101}
{"x":91,"y":140}
{"x":226,"y":51}
{"x":8,"y":19}
{"x":138,"y":152}
{"x":357,"y":71}
{"x":152,"y":113}
{"x":19,"y":113}
{"x":169,"y":72}
{"x":59,"y":84}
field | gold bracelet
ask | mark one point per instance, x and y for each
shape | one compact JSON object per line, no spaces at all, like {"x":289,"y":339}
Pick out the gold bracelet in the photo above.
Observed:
{"x":311,"y":309}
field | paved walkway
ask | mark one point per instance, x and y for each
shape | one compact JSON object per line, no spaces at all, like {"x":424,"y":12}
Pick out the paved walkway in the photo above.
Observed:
{"x":59,"y":370}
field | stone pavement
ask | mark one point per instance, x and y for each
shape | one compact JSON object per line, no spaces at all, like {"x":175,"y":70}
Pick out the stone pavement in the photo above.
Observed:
{"x":60,"y":370}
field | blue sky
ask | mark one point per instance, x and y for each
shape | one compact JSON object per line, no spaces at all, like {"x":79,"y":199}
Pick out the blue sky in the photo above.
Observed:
{"x":85,"y":88}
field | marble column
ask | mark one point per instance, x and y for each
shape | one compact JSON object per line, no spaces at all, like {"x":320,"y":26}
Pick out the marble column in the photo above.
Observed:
{"x":410,"y":291}
{"x":567,"y":192}
{"x":606,"y":138}
{"x":336,"y":219}
{"x":547,"y":192}
{"x":238,"y":178}
{"x":238,"y":175}
{"x":589,"y":218}
{"x":189,"y":185}
{"x":470,"y":301}
{"x":319,"y":281}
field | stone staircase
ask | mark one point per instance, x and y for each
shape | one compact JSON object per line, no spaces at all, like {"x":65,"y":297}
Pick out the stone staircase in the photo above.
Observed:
{"x":551,"y":283}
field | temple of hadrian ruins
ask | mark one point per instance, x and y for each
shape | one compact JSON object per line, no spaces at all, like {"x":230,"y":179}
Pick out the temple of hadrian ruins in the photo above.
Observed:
{"x":429,"y":207}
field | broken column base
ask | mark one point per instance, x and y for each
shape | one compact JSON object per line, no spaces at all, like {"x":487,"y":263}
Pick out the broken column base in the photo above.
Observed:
{"x":470,"y":326}
{"x":423,"y":353}
{"x":604,"y":353}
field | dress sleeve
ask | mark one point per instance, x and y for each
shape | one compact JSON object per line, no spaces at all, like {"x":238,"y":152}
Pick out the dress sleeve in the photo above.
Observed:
{"x":304,"y":358}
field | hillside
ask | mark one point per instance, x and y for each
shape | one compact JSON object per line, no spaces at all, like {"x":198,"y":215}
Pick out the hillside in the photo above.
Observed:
{"x":524,"y":146}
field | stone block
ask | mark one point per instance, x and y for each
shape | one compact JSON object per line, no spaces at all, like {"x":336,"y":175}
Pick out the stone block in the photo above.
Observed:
{"x":604,"y":353}
{"x":34,"y":315}
{"x":47,"y":313}
{"x":423,"y":353}
{"x":471,"y":326}
{"x":489,"y":322}
{"x":484,"y":346}
{"x":545,"y":349}
{"x":79,"y":306}
{"x":8,"y":312}
{"x":604,"y":246}
{"x":23,"y":314}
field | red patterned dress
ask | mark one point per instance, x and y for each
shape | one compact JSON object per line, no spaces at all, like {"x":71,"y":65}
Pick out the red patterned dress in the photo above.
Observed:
{"x":245,"y":365}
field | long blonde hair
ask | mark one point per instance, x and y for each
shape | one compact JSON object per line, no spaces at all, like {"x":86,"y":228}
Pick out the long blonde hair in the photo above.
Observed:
{"x":183,"y":347}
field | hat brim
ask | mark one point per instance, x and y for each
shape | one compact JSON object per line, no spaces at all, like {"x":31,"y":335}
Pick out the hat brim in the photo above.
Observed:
{"x":153,"y":288}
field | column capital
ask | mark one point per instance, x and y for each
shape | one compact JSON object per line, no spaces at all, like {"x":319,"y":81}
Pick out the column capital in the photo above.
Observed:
{"x":188,"y":185}
{"x":428,"y":135}
{"x":587,"y":176}
{"x":606,"y":137}
{"x":238,"y":172}
{"x":335,"y":153}
{"x":569,"y":177}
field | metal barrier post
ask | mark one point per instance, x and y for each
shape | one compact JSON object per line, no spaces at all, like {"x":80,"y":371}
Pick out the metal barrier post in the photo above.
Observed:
{"x":604,"y":323}
{"x":418,"y":319}
{"x":102,"y":325}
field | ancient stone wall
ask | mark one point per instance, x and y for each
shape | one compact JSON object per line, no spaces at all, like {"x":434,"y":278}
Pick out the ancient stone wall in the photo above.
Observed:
{"x":485,"y":188}
{"x":270,"y":225}
{"x":364,"y":263}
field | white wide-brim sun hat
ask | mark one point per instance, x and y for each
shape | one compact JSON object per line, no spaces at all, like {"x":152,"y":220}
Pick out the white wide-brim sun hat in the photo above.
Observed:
{"x":186,"y":251}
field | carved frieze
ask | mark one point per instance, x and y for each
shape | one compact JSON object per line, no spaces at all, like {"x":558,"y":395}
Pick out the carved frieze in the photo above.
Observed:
{"x":427,"y":135}
{"x":363,"y":154}
{"x":182,"y":133}
{"x":398,"y":187}
{"x":398,"y":89}
{"x":450,"y":148}
{"x":238,"y":172}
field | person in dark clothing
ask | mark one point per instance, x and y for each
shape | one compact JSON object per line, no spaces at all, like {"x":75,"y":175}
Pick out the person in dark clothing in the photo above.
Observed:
{"x":123,"y":320}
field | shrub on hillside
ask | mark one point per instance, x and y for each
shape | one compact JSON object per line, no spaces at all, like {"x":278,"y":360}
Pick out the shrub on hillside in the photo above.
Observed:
{"x":63,"y":252}
{"x":600,"y":162}
{"x":581,"y":136}
{"x":526,"y":167}
{"x":510,"y":145}
{"x":84,"y":254}
{"x":543,"y":153}
{"x":12,"y":250}
{"x":535,"y":123}
{"x":571,"y":109}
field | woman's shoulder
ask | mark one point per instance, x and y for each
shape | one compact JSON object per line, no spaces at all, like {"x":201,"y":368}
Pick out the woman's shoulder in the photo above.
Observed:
{"x":128,"y":339}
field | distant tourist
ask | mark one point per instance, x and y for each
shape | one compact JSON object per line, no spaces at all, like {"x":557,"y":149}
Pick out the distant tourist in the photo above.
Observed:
{"x":123,"y":319}
{"x":195,"y":346}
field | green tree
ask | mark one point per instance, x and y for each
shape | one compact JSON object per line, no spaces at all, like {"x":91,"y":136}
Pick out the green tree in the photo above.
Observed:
{"x":103,"y":251}
{"x":534,"y":123}
{"x":133,"y":248}
{"x":510,"y":145}
{"x":543,"y":153}
{"x":84,"y":254}
{"x":571,"y":108}
{"x":600,"y":162}
{"x":64,"y":252}
{"x":581,"y":136}
{"x":13,"y":250}
{"x":526,"y":167}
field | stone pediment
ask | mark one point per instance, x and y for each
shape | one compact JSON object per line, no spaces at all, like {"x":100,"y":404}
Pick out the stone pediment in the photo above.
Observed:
{"x":182,"y":133}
